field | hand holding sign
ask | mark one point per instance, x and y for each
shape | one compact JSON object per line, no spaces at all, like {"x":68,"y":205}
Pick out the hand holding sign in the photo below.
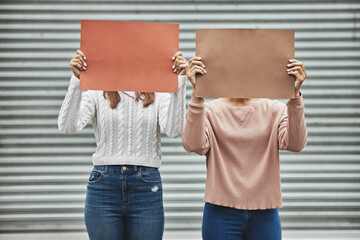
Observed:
{"x":196,"y":66}
{"x":78,"y":63}
{"x":180,"y":63}
{"x":297,"y":69}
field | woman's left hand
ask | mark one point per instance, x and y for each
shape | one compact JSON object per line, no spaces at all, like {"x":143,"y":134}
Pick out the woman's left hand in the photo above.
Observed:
{"x":297,"y":69}
{"x":180,"y":63}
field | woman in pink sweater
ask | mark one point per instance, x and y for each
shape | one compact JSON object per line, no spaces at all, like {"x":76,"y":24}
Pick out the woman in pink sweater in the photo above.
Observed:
{"x":241,"y":138}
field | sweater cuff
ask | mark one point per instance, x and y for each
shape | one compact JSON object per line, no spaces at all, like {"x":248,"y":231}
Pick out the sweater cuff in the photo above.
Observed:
{"x":182,"y":81}
{"x":296,"y":102}
{"x":74,"y":81}
{"x":197,"y":100}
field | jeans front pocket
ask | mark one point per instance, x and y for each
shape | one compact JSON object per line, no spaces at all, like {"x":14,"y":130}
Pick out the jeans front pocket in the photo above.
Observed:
{"x":150,"y":175}
{"x":95,"y":176}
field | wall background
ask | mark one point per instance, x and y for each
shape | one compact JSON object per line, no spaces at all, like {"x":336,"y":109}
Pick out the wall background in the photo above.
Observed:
{"x":43,"y":174}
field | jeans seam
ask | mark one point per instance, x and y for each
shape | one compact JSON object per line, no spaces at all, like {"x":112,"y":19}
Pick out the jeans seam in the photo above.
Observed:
{"x":122,"y":191}
{"x":146,"y":181}
{"x":97,"y":180}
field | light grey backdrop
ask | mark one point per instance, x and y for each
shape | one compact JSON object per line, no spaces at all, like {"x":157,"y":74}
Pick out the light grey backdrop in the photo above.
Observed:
{"x":43,"y":174}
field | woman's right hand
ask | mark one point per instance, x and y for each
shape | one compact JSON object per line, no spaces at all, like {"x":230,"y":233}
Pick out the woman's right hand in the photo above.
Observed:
{"x":78,"y":63}
{"x":195,"y":66}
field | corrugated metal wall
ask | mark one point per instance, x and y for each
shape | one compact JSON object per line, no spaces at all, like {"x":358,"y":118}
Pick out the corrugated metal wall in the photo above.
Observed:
{"x":43,"y":174}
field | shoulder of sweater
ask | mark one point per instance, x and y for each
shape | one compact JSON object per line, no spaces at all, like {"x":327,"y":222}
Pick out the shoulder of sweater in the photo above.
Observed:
{"x":213,"y":106}
{"x":211,"y":103}
{"x":273,"y":102}
{"x":162,"y":96}
{"x":95,"y":94}
{"x":273,"y":105}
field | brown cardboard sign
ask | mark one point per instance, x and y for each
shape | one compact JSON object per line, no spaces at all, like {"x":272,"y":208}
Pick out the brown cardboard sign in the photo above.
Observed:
{"x":245,"y":63}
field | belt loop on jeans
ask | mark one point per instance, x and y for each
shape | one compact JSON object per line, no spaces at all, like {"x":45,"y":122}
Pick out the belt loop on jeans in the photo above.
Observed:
{"x":106,"y":169}
{"x":135,"y":168}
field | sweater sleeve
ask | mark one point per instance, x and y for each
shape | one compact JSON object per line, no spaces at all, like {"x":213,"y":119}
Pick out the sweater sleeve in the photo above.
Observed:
{"x":172,"y":109}
{"x":195,"y":137}
{"x":77,"y":108}
{"x":292,"y":134}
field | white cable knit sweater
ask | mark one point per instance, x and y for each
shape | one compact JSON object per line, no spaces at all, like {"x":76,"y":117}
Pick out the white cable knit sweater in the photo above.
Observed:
{"x":128,"y":134}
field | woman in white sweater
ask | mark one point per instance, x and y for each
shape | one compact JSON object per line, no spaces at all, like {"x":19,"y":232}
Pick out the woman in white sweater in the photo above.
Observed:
{"x":124,"y":192}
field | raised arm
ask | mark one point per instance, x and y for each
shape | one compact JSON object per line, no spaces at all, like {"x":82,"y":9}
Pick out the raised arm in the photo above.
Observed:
{"x":196,"y":133}
{"x":78,"y":106}
{"x":292,"y":127}
{"x":195,"y":137}
{"x":172,"y":107}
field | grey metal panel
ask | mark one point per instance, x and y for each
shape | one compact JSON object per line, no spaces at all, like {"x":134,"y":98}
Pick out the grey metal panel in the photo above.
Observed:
{"x":43,"y":174}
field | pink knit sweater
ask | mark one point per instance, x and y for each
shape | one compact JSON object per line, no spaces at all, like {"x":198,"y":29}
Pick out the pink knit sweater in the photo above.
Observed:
{"x":242,"y":145}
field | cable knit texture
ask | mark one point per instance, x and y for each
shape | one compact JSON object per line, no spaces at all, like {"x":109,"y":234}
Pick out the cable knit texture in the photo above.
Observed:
{"x":129,"y":133}
{"x":241,"y":144}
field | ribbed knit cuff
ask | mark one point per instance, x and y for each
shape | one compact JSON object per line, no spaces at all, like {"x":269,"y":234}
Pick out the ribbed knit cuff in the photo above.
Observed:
{"x":296,"y":102}
{"x":182,"y":81}
{"x":74,"y":81}
{"x":196,"y":100}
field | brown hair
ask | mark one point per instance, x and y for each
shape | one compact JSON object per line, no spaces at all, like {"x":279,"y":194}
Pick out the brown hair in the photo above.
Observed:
{"x":114,"y":98}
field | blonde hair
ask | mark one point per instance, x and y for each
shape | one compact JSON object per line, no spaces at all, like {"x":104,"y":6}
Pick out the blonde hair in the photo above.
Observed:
{"x":114,"y":98}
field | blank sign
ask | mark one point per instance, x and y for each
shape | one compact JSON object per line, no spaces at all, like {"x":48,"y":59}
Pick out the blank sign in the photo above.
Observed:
{"x":245,"y":63}
{"x":129,"y":56}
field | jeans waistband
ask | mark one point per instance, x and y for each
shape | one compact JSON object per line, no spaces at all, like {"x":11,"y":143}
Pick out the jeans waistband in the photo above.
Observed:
{"x":121,"y":168}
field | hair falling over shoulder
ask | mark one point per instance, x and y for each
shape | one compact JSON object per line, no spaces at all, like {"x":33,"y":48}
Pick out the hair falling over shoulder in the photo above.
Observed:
{"x":114,"y":98}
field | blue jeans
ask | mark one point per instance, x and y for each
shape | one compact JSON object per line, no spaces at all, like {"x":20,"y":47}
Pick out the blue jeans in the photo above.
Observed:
{"x":124,"y":202}
{"x":230,"y":223}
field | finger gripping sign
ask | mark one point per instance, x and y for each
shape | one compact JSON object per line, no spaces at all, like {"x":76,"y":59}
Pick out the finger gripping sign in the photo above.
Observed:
{"x":129,"y":56}
{"x":245,"y":63}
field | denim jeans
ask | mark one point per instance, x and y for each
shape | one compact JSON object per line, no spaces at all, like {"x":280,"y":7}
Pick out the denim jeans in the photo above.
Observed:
{"x":124,"y":202}
{"x":226,"y":223}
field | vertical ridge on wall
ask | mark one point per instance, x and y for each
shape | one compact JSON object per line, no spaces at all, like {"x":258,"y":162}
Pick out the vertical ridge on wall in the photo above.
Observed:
{"x":43,"y":174}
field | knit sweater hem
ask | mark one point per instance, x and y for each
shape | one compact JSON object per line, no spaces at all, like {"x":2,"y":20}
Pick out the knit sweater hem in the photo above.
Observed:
{"x":126,"y":160}
{"x":245,"y":205}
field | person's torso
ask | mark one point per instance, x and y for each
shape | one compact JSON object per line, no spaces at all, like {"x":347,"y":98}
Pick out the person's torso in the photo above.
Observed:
{"x":130,"y":129}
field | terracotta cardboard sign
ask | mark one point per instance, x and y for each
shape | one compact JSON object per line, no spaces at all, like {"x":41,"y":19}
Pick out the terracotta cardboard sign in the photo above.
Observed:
{"x":129,"y":56}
